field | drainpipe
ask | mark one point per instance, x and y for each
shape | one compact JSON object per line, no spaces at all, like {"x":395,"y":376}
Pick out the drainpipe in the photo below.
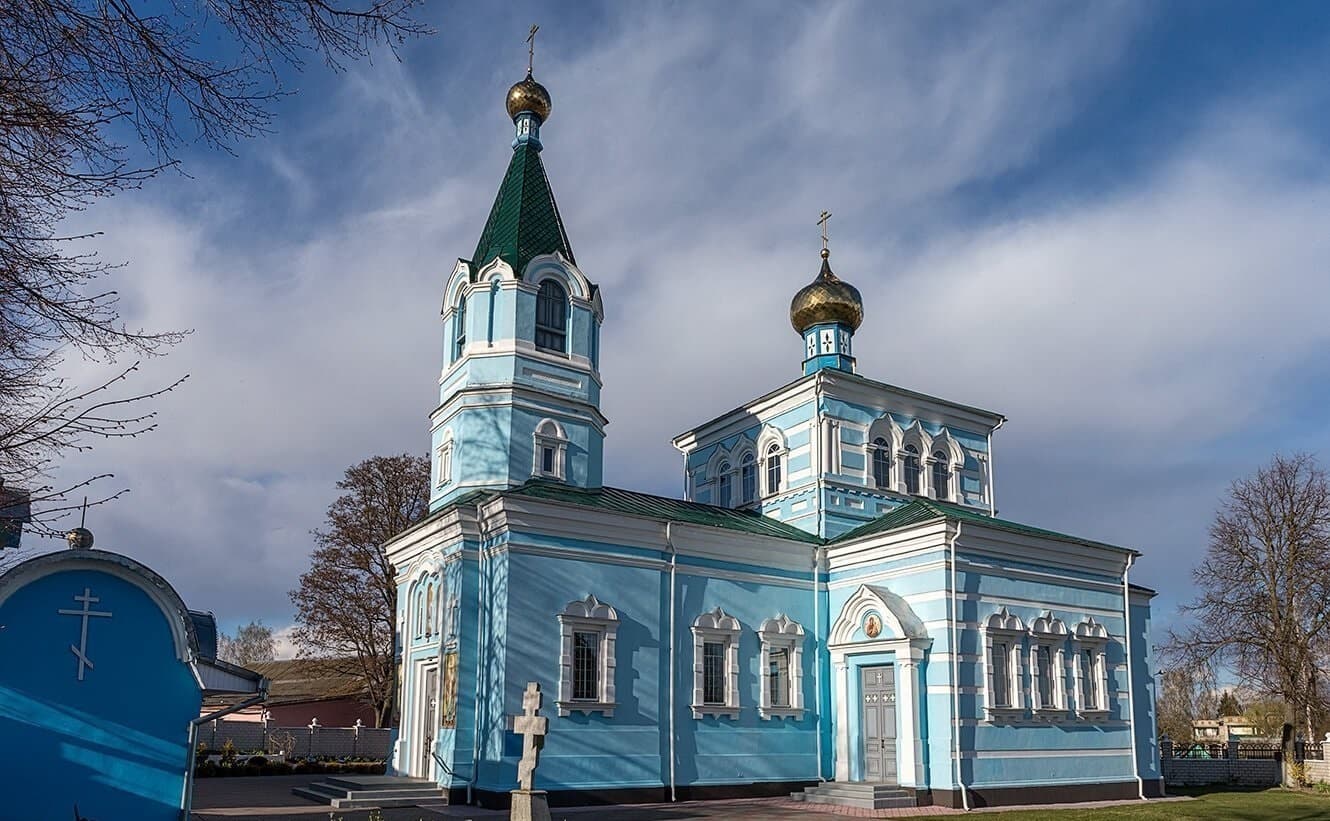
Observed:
{"x":1131,"y":683}
{"x":674,"y":556}
{"x":817,"y":661}
{"x":956,"y":670}
{"x":480,"y":654}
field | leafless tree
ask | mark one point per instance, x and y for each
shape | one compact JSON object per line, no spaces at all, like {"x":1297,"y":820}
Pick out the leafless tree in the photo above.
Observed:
{"x":346,"y":603}
{"x":251,"y":643}
{"x":96,"y":96}
{"x":1186,"y":693}
{"x":1263,"y":604}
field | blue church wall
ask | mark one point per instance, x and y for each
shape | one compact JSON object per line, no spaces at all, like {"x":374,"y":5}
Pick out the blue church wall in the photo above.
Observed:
{"x":115,"y":743}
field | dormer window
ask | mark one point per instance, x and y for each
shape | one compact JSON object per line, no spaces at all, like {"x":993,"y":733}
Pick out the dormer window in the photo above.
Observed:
{"x":748,"y":478}
{"x":552,"y":318}
{"x":723,"y":493}
{"x":881,"y":463}
{"x":941,"y":476}
{"x":911,"y":468}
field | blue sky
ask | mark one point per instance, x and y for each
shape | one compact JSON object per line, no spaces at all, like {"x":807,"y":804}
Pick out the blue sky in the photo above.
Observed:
{"x":1105,"y":220}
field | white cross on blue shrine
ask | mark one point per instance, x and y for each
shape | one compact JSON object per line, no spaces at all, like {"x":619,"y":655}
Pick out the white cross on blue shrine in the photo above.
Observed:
{"x":81,"y":651}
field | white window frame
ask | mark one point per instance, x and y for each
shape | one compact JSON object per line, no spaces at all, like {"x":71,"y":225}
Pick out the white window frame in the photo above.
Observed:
{"x":1002,"y":626}
{"x":550,"y":434}
{"x":1092,"y":636}
{"x":1048,"y":631}
{"x":945,"y":443}
{"x":782,"y":633}
{"x":772,"y":437}
{"x":716,"y":626}
{"x":589,"y":615}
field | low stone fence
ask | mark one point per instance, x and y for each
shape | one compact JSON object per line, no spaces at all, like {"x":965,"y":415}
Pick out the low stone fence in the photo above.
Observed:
{"x":1318,"y":772}
{"x":337,"y":742}
{"x":1252,"y":765}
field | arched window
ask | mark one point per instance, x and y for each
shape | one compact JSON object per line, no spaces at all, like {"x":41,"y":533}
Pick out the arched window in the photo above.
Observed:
{"x":773,"y":468}
{"x":748,"y":478}
{"x":941,"y":476}
{"x":723,"y":485}
{"x":911,"y":465}
{"x":459,"y":329}
{"x":552,"y":317}
{"x":881,"y":463}
{"x":551,"y":450}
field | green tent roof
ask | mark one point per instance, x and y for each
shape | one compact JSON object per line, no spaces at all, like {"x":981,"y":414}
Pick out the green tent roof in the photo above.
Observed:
{"x":524,"y":221}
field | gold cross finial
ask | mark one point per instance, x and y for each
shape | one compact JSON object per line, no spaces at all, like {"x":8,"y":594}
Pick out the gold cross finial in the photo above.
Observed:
{"x":822,"y":221}
{"x":531,"y":48}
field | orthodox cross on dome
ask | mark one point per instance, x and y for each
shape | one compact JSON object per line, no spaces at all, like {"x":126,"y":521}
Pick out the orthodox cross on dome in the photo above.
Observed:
{"x":531,"y":48}
{"x":532,"y":727}
{"x":822,"y":221}
{"x":81,"y":652}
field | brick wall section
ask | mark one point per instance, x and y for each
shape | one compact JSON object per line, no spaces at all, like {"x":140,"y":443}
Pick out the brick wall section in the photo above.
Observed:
{"x":330,"y":741}
{"x":1318,"y":771}
{"x":1194,"y":772}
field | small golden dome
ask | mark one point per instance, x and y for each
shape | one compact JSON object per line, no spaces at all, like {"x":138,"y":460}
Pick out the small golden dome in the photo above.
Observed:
{"x":826,"y":299}
{"x":529,"y":95}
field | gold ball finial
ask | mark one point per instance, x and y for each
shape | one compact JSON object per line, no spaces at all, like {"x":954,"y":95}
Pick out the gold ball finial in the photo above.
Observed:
{"x":529,"y":95}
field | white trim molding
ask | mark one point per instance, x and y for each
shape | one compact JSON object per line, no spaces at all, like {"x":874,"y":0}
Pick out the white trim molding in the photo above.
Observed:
{"x":1004,"y":633}
{"x":589,"y":615}
{"x":716,"y":626}
{"x":782,"y":634}
{"x":550,"y":435}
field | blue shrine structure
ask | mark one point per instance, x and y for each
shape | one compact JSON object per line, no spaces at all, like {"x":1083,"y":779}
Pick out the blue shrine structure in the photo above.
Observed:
{"x":833,"y":609}
{"x":98,"y":720}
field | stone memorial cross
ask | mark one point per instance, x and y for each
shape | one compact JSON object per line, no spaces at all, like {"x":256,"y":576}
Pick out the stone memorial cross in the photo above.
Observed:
{"x":532,"y":727}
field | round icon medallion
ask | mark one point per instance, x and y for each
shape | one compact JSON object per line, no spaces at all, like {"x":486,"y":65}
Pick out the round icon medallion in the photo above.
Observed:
{"x":872,"y":626}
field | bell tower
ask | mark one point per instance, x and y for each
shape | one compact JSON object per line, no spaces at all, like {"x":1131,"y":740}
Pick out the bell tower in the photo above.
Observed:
{"x":519,"y":392}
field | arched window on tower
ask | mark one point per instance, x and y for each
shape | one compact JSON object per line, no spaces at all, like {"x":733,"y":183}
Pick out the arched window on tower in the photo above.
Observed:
{"x":911,"y":466}
{"x":941,"y":476}
{"x":723,"y":485}
{"x":881,"y":463}
{"x":773,"y":468}
{"x":459,"y":329}
{"x":552,"y":317}
{"x":748,"y":478}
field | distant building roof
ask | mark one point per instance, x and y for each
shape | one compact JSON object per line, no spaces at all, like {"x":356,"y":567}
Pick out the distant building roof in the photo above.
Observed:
{"x":298,"y":680}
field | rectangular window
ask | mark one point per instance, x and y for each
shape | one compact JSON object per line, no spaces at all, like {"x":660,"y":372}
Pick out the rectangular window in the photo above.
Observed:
{"x":779,"y":681}
{"x":586,"y":666}
{"x":1044,"y":659}
{"x":547,"y":460}
{"x":998,"y":661}
{"x":1089,"y":700}
{"x":713,"y":672}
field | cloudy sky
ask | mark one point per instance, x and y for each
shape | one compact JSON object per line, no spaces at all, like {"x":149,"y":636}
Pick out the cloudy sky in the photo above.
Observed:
{"x":1107,"y":221}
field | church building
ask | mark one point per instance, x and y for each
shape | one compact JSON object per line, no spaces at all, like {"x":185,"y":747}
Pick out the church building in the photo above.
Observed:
{"x":833,"y":610}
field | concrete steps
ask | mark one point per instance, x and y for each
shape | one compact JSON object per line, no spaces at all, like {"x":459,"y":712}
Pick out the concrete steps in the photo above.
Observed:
{"x":354,"y":792}
{"x":856,"y":794}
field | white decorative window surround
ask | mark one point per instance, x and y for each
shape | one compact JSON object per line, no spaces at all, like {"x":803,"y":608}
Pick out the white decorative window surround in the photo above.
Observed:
{"x":716,"y":665}
{"x":1091,"y":669}
{"x":551,"y":450}
{"x":772,"y":450}
{"x":1004,"y":634}
{"x":586,"y":672}
{"x":1048,"y":665}
{"x":444,"y":459}
{"x":781,"y":668}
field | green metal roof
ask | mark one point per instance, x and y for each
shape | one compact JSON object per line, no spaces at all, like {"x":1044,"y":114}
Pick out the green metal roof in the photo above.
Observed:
{"x":524,"y":221}
{"x":660,"y":507}
{"x":924,"y":510}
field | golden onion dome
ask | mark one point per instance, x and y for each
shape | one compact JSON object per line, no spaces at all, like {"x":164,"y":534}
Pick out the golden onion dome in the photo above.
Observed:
{"x":529,"y":95}
{"x":826,"y":299}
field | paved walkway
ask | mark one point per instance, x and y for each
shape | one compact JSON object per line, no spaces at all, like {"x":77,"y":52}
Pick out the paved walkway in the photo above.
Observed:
{"x":269,"y":798}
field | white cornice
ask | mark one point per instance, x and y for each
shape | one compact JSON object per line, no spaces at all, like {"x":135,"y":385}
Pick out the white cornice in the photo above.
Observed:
{"x":530,"y":399}
{"x":742,"y":418}
{"x":861,"y":390}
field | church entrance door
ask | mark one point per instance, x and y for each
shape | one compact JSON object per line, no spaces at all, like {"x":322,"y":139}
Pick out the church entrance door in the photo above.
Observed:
{"x":878,"y":723}
{"x":429,"y":719}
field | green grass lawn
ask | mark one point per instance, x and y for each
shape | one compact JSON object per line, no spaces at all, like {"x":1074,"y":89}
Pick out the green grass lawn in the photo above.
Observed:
{"x":1264,"y":805}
